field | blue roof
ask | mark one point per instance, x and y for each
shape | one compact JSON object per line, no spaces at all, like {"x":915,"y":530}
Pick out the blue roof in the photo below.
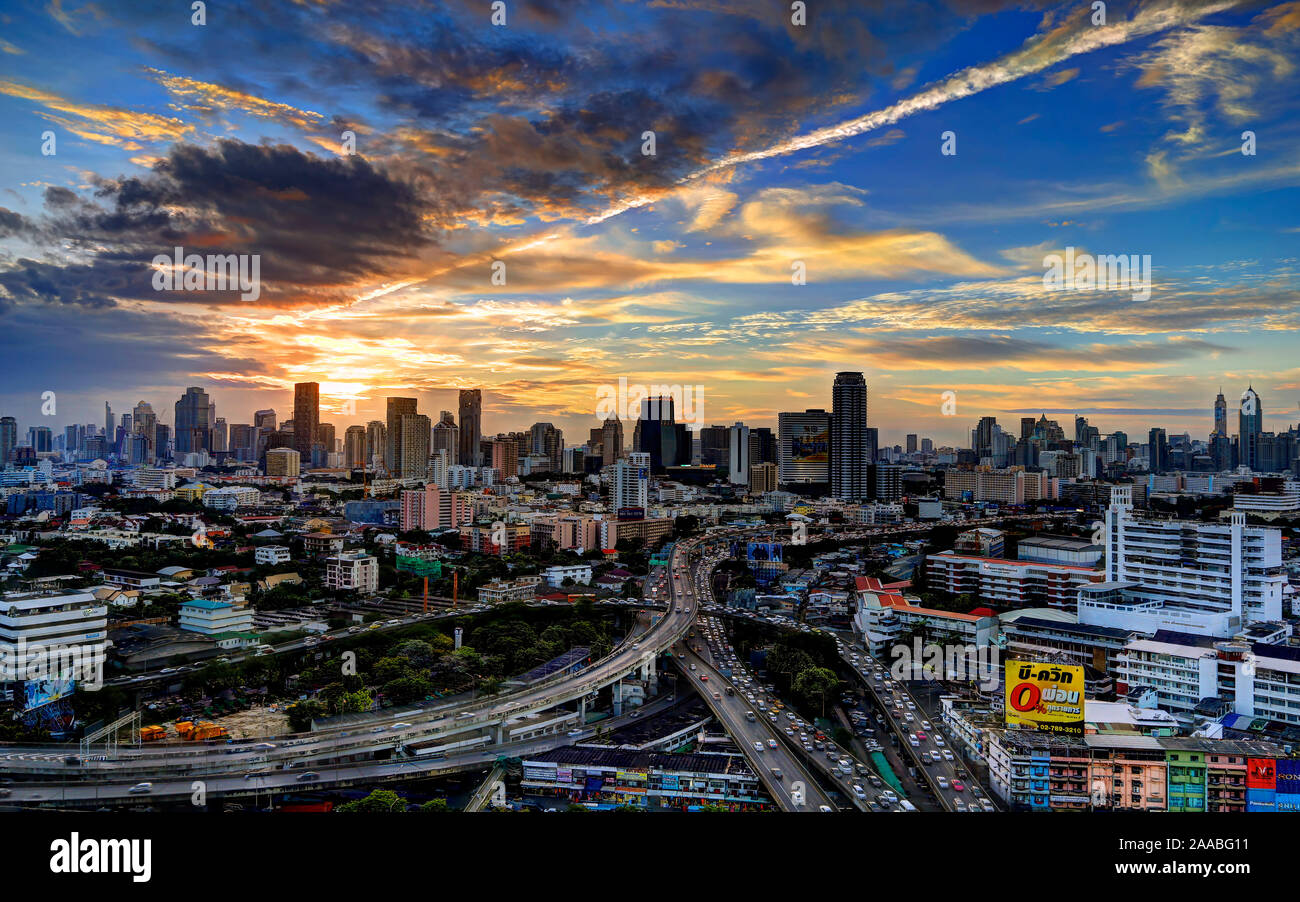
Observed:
{"x":206,"y":604}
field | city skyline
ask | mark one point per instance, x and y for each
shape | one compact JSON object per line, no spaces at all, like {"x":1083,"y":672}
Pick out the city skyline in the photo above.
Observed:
{"x":775,"y":146}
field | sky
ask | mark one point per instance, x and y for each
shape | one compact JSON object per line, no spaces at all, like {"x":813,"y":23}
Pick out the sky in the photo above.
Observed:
{"x":439,"y":202}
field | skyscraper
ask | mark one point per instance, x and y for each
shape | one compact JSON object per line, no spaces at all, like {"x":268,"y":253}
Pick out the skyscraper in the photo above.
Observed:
{"x":611,"y":440}
{"x":8,"y":438}
{"x":804,"y":440}
{"x":397,"y":408}
{"x":1157,"y":450}
{"x":1251,"y":424}
{"x":1221,"y":414}
{"x":446,"y":437}
{"x":376,"y":443}
{"x":354,"y":446}
{"x":849,"y":452}
{"x":412,"y":451}
{"x":306,"y":417}
{"x":471,"y":427}
{"x":193,"y":421}
{"x":145,"y":423}
{"x":738,"y":454}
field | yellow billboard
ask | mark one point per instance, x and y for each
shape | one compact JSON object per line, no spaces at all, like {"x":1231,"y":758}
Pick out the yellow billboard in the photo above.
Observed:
{"x":1045,"y":696}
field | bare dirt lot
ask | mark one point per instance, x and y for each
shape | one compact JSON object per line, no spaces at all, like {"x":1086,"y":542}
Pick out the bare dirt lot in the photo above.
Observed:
{"x":255,"y":723}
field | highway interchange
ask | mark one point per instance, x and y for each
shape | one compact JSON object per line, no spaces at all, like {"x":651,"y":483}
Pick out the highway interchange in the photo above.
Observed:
{"x":320,"y":759}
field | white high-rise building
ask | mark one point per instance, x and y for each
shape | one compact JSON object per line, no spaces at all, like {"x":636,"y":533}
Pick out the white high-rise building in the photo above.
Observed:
{"x":631,"y":486}
{"x":1208,"y":568}
{"x":738,"y":454}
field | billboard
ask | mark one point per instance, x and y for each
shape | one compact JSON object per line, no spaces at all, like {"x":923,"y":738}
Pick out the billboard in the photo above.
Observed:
{"x":1261,"y":773}
{"x":810,"y":444}
{"x":764,"y":551}
{"x":37,"y":693}
{"x":1045,"y":697}
{"x":1288,"y":784}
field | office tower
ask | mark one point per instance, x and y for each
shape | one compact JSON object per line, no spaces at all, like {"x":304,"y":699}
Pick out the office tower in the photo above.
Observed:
{"x":630,"y":489}
{"x":265,"y":419}
{"x":611,"y":441}
{"x":354,"y":446}
{"x":325,"y":437}
{"x":849,"y":451}
{"x":439,"y":462}
{"x":145,"y":423}
{"x":397,"y":408}
{"x":911,"y":443}
{"x":1026,"y":427}
{"x":762,"y":478}
{"x":220,"y":435}
{"x":1157,"y":451}
{"x":108,"y":423}
{"x":982,"y":443}
{"x":887,"y":483}
{"x":1220,"y":413}
{"x":412,"y":449}
{"x":283,"y":462}
{"x":193,"y":424}
{"x":546,"y":440}
{"x":738,"y":454}
{"x":805,"y":441}
{"x":376,"y":443}
{"x":659,"y":435}
{"x":505,"y":457}
{"x":927,"y":446}
{"x":873,"y":443}
{"x":471,"y":427}
{"x":306,"y":417}
{"x":242,"y":441}
{"x":1250,"y":420}
{"x":40,"y":438}
{"x":163,"y":439}
{"x":8,"y":439}
{"x":446,"y":437}
{"x":762,"y":446}
{"x":713,"y":446}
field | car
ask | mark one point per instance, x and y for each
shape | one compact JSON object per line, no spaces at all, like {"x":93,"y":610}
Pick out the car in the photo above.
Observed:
{"x":826,"y":808}
{"x":776,"y":773}
{"x":168,"y":670}
{"x":704,"y":678}
{"x":758,"y":746}
{"x":771,"y":743}
{"x":859,"y":791}
{"x":265,"y":745}
{"x":379,"y":729}
{"x":139,"y":788}
{"x":400,"y":725}
{"x":942,"y":781}
{"x":947,"y":755}
{"x":958,"y":786}
{"x":636,"y":713}
{"x":921,"y":736}
{"x":938,"y":740}
{"x":308,"y":775}
{"x":574,"y":733}
{"x":717,"y":695}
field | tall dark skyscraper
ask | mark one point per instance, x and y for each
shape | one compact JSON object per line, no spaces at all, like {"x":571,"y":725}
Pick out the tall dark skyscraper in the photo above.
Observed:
{"x":8,"y":438}
{"x":1251,"y":424}
{"x":306,"y":417}
{"x":1220,"y":414}
{"x":1157,"y":450}
{"x":193,"y":421}
{"x":850,"y":462}
{"x":397,"y":408}
{"x":471,"y":427}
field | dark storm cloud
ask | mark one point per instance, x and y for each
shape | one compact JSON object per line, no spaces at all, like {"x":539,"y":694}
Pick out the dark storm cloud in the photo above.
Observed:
{"x":317,"y":223}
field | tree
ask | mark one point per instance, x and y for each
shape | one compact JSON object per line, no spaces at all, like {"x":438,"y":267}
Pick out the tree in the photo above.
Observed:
{"x":815,"y":684}
{"x":380,"y":801}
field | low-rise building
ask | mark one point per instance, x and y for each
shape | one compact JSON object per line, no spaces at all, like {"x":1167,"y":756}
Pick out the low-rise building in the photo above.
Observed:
{"x":354,"y":571}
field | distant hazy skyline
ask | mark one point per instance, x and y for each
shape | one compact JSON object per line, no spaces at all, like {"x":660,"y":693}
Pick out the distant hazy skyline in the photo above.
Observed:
{"x":776,"y":145}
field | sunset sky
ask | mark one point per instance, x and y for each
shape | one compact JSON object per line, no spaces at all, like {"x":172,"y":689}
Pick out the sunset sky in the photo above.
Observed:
{"x":775,"y":143}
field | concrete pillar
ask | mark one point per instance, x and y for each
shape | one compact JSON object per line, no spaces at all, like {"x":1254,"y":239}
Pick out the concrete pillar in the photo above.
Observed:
{"x":618,"y":697}
{"x":582,"y":710}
